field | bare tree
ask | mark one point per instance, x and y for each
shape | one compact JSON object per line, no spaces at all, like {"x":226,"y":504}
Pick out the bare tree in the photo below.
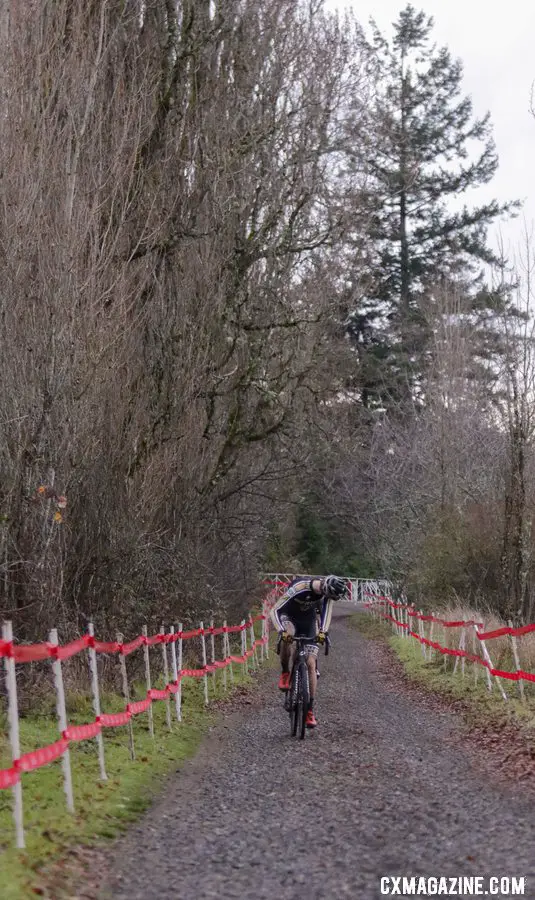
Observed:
{"x":172,"y":204}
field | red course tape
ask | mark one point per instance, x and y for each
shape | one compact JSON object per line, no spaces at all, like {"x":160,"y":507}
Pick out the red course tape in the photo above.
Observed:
{"x":519,"y":675}
{"x":74,"y":733}
{"x":8,"y":777}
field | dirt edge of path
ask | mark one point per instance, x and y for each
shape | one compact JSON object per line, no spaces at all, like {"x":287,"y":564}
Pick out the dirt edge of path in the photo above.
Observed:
{"x":504,"y":747}
{"x":82,"y":870}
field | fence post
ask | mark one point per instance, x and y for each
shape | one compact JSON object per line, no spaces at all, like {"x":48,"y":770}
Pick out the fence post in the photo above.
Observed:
{"x":421,"y":632}
{"x":254,"y":661}
{"x":205,"y":677}
{"x":126,"y":695}
{"x":243,"y":637}
{"x":174,"y":667}
{"x":212,"y":655}
{"x":461,"y":647}
{"x":179,"y":692}
{"x":62,"y":722}
{"x":516,"y":658}
{"x":166,"y":680}
{"x":13,"y":714}
{"x":96,"y":702}
{"x":226,"y":652}
{"x":144,"y":632}
{"x":481,"y":643}
{"x":475,"y":649}
{"x":431,"y":630}
{"x":263,"y":622}
{"x":488,"y":659}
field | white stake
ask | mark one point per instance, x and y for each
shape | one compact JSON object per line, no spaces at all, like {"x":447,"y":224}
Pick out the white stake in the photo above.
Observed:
{"x":148,"y":679}
{"x":212,"y":654}
{"x":62,"y":722}
{"x":421,"y":632}
{"x":179,"y":692}
{"x":96,"y":703}
{"x":166,"y":681}
{"x":516,"y":658}
{"x":205,"y":678}
{"x":14,"y":738}
{"x":262,"y":632}
{"x":126,"y":695}
{"x":474,"y":650}
{"x":254,"y":661}
{"x":231,"y":667}
{"x":461,"y":647}
{"x":174,"y":666}
{"x":431,"y":630}
{"x":498,"y":682}
{"x":225,"y":655}
{"x":244,"y":644}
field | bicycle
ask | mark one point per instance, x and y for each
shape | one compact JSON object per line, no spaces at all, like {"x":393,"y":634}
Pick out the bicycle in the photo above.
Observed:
{"x":297,"y":697}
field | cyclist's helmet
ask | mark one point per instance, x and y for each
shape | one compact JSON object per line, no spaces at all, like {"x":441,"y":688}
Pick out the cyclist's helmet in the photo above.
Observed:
{"x":334,"y":587}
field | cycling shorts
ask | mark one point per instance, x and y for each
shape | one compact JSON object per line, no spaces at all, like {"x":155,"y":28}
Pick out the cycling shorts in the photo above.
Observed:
{"x":290,"y":626}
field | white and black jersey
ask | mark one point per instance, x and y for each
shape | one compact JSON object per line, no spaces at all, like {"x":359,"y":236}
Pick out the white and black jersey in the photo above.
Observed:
{"x":302,"y":606}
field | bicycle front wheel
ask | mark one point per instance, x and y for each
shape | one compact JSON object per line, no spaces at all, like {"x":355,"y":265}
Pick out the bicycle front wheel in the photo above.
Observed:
{"x":293,"y":697}
{"x":302,"y":700}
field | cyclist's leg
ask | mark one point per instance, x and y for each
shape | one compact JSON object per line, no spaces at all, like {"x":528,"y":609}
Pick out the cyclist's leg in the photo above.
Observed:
{"x":312,"y":653}
{"x":286,"y":654}
{"x":318,"y":621}
{"x":312,"y":684}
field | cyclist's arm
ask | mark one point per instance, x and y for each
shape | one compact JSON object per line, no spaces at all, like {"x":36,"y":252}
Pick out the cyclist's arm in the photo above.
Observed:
{"x":326,"y":613}
{"x":277,"y":610}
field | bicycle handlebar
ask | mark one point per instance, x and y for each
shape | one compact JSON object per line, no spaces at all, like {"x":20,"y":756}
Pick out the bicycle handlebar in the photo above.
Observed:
{"x":307,"y":640}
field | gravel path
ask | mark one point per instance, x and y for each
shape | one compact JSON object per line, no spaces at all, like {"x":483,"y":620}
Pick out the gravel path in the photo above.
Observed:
{"x":384,"y":786}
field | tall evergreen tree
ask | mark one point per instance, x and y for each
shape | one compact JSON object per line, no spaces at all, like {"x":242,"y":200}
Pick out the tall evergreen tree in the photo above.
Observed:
{"x":426,"y":149}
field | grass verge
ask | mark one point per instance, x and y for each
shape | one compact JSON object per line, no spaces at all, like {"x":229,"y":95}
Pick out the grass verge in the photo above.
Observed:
{"x":103,"y":809}
{"x":479,"y":706}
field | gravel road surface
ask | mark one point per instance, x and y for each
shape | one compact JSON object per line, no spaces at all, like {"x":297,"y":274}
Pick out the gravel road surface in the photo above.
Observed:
{"x":385,"y":786}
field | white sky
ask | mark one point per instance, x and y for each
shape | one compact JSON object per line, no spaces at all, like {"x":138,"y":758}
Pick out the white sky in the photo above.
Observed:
{"x":495,"y":44}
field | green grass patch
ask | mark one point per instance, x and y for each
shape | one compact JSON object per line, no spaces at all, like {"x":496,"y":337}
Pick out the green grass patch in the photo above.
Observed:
{"x":370,"y":626}
{"x":103,"y":808}
{"x":480,"y":706}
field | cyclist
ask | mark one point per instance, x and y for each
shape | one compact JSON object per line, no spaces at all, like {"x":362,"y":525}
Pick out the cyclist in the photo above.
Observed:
{"x":297,"y":612}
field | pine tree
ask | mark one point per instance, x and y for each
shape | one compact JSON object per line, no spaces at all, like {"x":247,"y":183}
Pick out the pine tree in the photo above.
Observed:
{"x":425,"y":151}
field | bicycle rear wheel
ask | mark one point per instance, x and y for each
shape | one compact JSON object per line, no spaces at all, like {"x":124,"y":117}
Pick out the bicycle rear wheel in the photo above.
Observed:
{"x":302,"y":700}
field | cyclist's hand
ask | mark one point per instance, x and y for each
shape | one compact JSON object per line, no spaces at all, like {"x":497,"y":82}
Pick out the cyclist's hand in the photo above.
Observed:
{"x":321,"y":637}
{"x":286,"y":637}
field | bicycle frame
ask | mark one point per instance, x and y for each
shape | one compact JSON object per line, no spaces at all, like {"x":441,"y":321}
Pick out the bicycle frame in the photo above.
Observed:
{"x":296,"y":698}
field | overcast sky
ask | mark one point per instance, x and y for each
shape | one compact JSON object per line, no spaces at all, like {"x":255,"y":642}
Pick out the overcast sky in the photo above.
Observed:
{"x":495,"y":44}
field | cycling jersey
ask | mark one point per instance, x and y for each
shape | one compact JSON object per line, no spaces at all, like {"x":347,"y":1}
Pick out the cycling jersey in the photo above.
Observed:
{"x":302,"y":606}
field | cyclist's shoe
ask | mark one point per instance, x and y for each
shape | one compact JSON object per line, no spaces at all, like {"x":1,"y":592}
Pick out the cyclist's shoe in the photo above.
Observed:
{"x":310,"y":721}
{"x":284,"y":681}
